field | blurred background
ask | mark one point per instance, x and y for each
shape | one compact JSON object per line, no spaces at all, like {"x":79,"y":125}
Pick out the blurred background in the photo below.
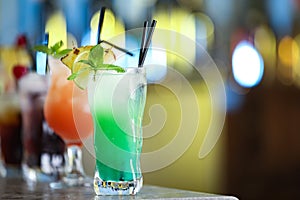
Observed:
{"x":255,"y":45}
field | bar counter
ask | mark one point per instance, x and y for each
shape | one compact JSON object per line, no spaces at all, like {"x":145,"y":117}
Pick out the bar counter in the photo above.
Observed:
{"x":19,"y":189}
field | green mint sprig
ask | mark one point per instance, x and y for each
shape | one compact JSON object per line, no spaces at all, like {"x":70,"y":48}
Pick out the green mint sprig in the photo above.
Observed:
{"x":53,"y":50}
{"x":95,"y":62}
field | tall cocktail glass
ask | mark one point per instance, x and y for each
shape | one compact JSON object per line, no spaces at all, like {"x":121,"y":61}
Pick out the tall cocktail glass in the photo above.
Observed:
{"x":43,"y":158}
{"x":10,"y":135}
{"x":117,"y":103}
{"x":67,"y":113}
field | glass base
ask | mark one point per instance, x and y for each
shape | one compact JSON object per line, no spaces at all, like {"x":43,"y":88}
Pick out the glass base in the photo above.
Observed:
{"x":102,"y":187}
{"x":36,"y":175}
{"x":10,"y":171}
{"x":2,"y":170}
{"x":74,"y":173}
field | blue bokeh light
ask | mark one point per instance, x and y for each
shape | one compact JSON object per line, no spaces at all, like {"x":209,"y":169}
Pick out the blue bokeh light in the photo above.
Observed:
{"x":247,"y":65}
{"x":41,"y":63}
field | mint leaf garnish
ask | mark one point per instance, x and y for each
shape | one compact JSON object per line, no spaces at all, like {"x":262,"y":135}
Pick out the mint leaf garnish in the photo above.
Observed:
{"x":75,"y":74}
{"x":88,"y":62}
{"x":72,"y":76}
{"x":62,"y":53}
{"x":56,"y":46}
{"x":113,"y":67}
{"x":53,"y":50}
{"x":43,"y":49}
{"x":96,"y":55}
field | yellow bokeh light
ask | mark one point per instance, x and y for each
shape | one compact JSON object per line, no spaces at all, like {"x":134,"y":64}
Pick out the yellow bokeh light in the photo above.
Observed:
{"x":208,"y":34}
{"x":265,"y":43}
{"x":111,"y":26}
{"x":57,"y":28}
{"x":179,"y":21}
{"x":297,"y":64}
{"x":288,"y":54}
{"x":11,"y":56}
{"x":288,"y":51}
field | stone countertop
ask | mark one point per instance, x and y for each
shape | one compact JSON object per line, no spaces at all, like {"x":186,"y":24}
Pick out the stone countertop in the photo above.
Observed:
{"x":18,"y":189}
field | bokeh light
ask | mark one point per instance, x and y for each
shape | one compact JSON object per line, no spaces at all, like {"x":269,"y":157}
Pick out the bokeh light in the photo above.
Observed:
{"x":288,"y":55}
{"x":180,"y":21}
{"x":247,"y":65}
{"x":204,"y":30}
{"x":41,"y":63}
{"x":111,"y":27}
{"x":297,"y":63}
{"x":288,"y":51}
{"x":191,"y":4}
{"x":265,"y":43}
{"x":57,"y":28}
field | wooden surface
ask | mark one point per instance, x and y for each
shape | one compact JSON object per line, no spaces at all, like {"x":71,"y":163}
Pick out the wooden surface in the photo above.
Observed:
{"x":18,"y":189}
{"x":263,"y":157}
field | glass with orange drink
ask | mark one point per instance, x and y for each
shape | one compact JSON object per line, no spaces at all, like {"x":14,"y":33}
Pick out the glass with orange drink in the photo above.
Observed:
{"x":67,"y":113}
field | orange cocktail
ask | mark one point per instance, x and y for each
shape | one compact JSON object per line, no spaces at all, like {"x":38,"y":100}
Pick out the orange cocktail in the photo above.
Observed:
{"x":67,"y":112}
{"x":66,"y":106}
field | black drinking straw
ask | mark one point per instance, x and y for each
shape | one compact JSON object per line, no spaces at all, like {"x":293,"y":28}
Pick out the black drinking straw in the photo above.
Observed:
{"x":143,"y":41}
{"x":31,"y":54}
{"x":100,"y":25}
{"x":147,"y":44}
{"x":116,"y":47}
{"x":46,"y":42}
